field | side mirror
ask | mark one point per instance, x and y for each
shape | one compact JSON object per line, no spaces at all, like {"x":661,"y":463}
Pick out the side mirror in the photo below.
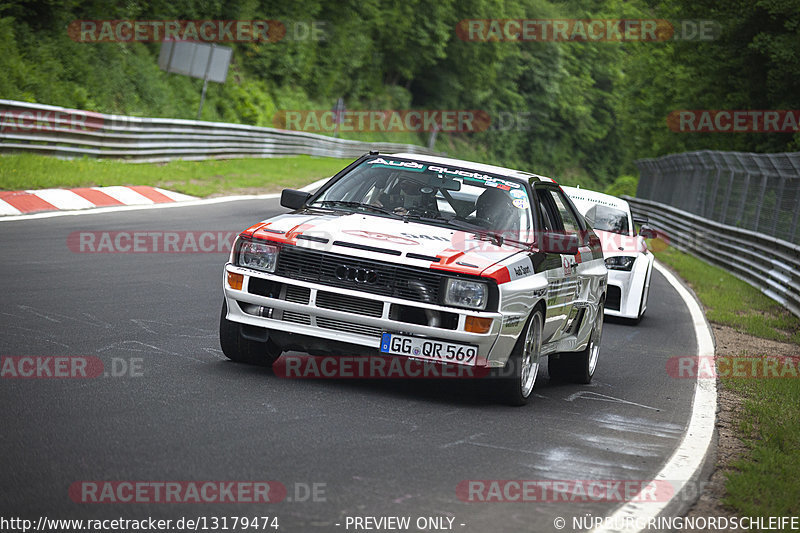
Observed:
{"x":294,"y":199}
{"x":560,"y":243}
{"x":647,"y":232}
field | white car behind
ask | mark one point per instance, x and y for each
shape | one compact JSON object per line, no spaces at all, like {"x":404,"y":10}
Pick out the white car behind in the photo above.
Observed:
{"x":629,"y":262}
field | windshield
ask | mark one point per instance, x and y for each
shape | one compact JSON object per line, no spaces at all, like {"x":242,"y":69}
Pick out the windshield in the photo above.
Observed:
{"x":434,"y":194}
{"x":607,"y":218}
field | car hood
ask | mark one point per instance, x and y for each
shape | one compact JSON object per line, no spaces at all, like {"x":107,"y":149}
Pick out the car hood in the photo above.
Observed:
{"x":616,"y":244}
{"x":387,"y":239}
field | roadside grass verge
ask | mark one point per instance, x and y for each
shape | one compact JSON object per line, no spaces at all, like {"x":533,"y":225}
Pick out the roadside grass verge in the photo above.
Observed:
{"x":732,"y":302}
{"x":197,"y":178}
{"x":766,"y":481}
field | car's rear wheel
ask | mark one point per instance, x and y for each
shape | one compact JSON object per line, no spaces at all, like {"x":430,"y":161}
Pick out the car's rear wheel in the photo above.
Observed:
{"x":579,"y":367}
{"x":242,"y":350}
{"x":519,"y":375}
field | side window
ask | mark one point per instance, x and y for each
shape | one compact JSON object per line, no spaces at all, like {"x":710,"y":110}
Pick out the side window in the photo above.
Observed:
{"x":571,"y":224}
{"x":544,"y":209}
{"x":564,"y":212}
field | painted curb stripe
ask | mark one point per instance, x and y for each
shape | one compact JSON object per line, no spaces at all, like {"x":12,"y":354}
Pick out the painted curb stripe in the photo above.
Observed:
{"x":117,"y":193}
{"x":63,"y":199}
{"x":97,"y":197}
{"x":151,"y":194}
{"x":26,"y":202}
{"x":33,"y":201}
{"x":686,"y":462}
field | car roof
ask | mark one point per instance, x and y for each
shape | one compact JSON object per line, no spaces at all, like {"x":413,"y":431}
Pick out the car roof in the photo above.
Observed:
{"x":584,"y":195}
{"x":500,"y":171}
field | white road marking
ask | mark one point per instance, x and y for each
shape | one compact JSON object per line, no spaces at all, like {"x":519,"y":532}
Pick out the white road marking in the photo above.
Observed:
{"x":126,"y":196}
{"x":687,"y":461}
{"x":62,"y":198}
{"x":589,"y":395}
{"x":7,"y":209}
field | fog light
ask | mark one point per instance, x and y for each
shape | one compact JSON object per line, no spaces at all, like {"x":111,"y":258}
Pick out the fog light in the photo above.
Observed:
{"x":235,"y":280}
{"x":476,"y":324}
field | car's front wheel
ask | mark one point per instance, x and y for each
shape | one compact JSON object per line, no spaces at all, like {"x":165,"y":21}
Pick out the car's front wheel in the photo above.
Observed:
{"x":579,"y":367}
{"x":240,"y":349}
{"x":519,"y":375}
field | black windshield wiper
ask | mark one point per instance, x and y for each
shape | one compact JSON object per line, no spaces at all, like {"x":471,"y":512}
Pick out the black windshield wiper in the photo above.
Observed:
{"x":346,"y":203}
{"x":494,"y":237}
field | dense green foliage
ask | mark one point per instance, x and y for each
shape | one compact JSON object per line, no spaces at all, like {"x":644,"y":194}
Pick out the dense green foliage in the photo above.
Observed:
{"x":586,"y":110}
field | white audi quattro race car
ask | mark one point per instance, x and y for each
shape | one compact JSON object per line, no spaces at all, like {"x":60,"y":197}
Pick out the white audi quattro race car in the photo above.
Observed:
{"x":629,"y":262}
{"x":426,"y":259}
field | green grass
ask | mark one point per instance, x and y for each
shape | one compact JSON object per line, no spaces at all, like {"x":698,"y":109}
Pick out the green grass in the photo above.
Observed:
{"x":197,"y":178}
{"x":766,"y":481}
{"x":732,"y":302}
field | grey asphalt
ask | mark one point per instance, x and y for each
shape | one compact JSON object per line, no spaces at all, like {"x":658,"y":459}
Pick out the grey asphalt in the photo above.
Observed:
{"x":375,"y":447}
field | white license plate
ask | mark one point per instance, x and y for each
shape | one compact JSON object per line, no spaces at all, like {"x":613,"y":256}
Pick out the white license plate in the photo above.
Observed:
{"x":432,"y":350}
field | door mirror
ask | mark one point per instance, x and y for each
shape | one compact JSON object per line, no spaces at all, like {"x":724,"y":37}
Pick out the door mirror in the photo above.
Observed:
{"x":647,"y":232}
{"x":559,"y":243}
{"x":294,"y":199}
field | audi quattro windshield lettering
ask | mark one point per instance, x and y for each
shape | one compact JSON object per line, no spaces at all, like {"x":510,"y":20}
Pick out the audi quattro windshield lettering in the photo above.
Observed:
{"x":424,"y":258}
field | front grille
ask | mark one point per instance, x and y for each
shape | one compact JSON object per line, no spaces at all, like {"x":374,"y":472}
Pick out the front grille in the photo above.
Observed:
{"x":374,"y":277}
{"x":298,"y":295}
{"x":613,"y":297}
{"x":349,"y":304}
{"x":297,"y":318}
{"x":348,"y":327}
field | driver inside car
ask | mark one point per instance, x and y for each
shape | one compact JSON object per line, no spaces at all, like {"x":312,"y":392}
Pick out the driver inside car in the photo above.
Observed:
{"x":495,"y":210}
{"x":409,"y":196}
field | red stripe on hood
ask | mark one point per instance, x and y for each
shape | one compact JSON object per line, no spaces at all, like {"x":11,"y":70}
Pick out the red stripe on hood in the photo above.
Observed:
{"x":290,"y":237}
{"x":450,"y":259}
{"x":252,"y":229}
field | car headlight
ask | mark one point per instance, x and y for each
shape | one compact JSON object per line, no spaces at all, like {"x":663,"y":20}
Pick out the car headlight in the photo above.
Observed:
{"x":463,"y":293}
{"x":620,"y":262}
{"x":258,"y":255}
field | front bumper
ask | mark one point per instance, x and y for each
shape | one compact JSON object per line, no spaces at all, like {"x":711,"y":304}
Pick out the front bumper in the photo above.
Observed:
{"x":624,"y":294}
{"x":355,"y":318}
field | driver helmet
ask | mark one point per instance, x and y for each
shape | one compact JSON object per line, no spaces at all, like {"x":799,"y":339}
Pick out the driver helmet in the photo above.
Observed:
{"x":495,"y":206}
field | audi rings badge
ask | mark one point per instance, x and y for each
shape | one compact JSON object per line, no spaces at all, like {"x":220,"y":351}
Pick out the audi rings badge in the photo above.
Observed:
{"x":356,"y":274}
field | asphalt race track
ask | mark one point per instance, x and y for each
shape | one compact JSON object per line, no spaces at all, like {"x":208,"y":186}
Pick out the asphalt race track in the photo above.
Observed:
{"x":373,"y":447}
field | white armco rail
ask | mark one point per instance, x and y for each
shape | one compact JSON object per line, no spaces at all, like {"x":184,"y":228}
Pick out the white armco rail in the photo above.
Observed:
{"x":67,"y":133}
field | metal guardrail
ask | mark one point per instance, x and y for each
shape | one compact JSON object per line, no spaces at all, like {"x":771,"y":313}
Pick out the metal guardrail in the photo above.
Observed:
{"x":63,"y":132}
{"x":760,"y":192}
{"x":769,"y":264}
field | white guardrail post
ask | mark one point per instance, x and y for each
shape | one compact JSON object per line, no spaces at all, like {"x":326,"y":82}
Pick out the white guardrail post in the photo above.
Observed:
{"x":767,"y":263}
{"x":62,"y":132}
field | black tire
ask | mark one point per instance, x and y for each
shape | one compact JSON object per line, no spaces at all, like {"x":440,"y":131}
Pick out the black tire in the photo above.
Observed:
{"x":640,"y":313}
{"x":645,"y":292}
{"x":514,"y":383}
{"x":242,"y":350}
{"x":579,"y":367}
